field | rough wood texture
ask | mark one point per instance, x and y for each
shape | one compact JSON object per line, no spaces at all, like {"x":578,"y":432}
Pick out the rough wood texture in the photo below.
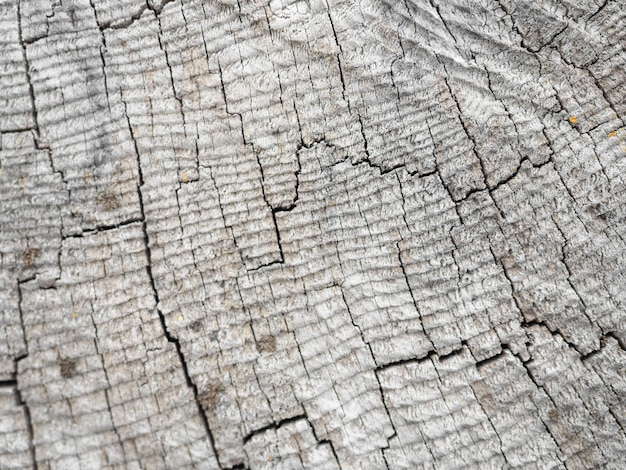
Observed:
{"x":312,"y":234}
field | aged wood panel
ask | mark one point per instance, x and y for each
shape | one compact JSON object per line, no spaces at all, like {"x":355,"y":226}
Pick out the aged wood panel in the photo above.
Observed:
{"x":312,"y":234}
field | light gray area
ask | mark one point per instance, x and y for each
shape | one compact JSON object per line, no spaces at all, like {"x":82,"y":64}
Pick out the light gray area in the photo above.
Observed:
{"x":313,"y":234}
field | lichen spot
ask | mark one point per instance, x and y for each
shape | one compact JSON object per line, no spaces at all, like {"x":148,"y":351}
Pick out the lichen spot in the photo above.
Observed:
{"x":572,"y":119}
{"x":185,"y":177}
{"x":612,"y":134}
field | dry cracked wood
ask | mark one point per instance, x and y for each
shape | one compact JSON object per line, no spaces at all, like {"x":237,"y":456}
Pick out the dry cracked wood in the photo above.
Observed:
{"x":312,"y":234}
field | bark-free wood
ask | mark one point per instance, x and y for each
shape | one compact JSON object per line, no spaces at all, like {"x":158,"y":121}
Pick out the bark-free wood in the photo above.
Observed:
{"x":312,"y":234}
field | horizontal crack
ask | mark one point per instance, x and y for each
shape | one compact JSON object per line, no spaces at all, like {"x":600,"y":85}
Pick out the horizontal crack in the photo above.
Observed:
{"x":274,"y":426}
{"x":104,"y":228}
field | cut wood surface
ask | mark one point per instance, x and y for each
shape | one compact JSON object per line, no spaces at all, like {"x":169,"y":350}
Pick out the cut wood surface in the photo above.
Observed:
{"x":321,"y":234}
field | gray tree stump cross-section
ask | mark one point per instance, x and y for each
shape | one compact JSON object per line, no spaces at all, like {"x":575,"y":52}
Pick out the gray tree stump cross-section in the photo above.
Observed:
{"x":312,"y":234}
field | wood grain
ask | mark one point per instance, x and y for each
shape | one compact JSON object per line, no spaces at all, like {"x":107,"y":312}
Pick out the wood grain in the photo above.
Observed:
{"x":312,"y":234}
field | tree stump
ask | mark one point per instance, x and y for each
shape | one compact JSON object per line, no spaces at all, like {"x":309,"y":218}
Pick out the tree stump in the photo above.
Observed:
{"x":314,"y":234}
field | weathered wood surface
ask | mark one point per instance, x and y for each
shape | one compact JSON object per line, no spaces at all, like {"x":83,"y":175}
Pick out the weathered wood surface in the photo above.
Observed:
{"x":312,"y":234}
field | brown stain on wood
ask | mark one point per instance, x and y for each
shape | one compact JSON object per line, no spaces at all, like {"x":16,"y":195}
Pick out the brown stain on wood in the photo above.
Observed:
{"x":68,"y":368}
{"x":108,"y":200}
{"x":29,"y":256}
{"x":266,"y":344}
{"x":210,"y":397}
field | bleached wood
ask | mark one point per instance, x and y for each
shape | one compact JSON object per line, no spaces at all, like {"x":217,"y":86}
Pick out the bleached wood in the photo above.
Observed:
{"x":312,"y":234}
